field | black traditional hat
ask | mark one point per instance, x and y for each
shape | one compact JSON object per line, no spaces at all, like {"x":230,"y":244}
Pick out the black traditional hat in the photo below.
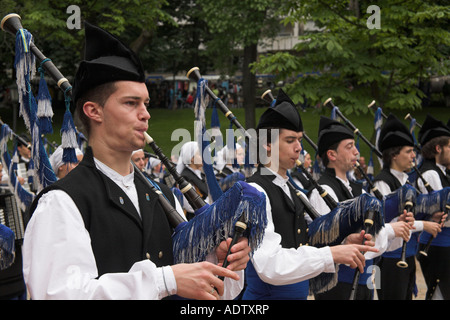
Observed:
{"x":394,"y":133}
{"x":432,"y":128}
{"x":106,"y":59}
{"x":331,"y":132}
{"x":283,"y":115}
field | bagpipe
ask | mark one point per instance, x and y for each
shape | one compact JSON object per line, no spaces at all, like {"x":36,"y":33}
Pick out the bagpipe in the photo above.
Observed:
{"x":404,"y":198}
{"x":414,"y":167}
{"x":204,"y":90}
{"x":349,"y":124}
{"x":436,"y":201}
{"x":432,"y":202}
{"x":193,"y":240}
{"x":333,"y":228}
{"x":240,"y":206}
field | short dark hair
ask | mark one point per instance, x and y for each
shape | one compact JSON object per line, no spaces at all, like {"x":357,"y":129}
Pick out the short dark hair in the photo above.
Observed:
{"x":429,"y":149}
{"x":98,"y":95}
{"x":324,"y":156}
{"x":389,"y":154}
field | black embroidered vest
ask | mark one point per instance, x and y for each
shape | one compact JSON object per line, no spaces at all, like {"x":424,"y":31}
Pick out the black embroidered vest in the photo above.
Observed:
{"x":386,"y":176}
{"x":329,"y":178}
{"x":431,"y":165}
{"x":119,"y":236}
{"x":288,"y":216}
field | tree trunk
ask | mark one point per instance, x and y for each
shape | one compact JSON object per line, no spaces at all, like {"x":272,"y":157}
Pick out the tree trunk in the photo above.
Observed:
{"x":143,"y":39}
{"x":249,"y":86}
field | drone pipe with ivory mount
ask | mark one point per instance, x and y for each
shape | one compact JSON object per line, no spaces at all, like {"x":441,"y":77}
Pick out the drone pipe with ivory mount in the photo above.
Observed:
{"x":408,"y":117}
{"x":372,"y":187}
{"x":186,"y":188}
{"x":194,"y":74}
{"x":11,"y":23}
{"x":373,"y":104}
{"x":331,"y":203}
{"x":352,"y":126}
{"x":310,"y":210}
{"x":239,"y":228}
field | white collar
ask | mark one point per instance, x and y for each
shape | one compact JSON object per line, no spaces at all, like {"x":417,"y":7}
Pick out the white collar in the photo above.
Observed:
{"x":279,"y":180}
{"x":126,"y":181}
{"x":440,"y":166}
{"x":401,"y":176}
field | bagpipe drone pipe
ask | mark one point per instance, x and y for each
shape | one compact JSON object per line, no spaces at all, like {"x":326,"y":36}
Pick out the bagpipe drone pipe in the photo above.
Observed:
{"x":241,"y":208}
{"x":245,"y":202}
{"x":240,"y":205}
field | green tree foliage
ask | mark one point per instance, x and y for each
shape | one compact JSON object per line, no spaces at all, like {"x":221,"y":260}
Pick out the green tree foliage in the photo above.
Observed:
{"x":134,"y":21}
{"x":346,"y":60}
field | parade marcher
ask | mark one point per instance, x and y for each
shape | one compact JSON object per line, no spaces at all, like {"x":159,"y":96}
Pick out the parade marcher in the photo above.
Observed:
{"x":138,"y":157}
{"x":281,"y":266}
{"x":60,"y":168}
{"x":337,"y":149}
{"x":100,"y":232}
{"x":434,"y":138}
{"x":397,"y":146}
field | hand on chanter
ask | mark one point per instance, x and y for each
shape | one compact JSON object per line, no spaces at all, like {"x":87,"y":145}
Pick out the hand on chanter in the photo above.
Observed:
{"x":239,"y":255}
{"x":407,"y":217}
{"x":357,"y":238}
{"x":201,"y":280}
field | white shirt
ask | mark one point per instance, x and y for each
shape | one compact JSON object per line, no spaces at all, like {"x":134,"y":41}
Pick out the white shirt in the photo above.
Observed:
{"x":58,"y":261}
{"x":385,"y":240}
{"x":280,"y":266}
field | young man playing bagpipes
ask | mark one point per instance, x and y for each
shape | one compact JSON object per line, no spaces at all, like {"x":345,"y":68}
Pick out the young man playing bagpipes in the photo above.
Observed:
{"x":281,"y":266}
{"x":100,"y":232}
{"x":434,"y":138}
{"x":397,"y":146}
{"x":336,"y":147}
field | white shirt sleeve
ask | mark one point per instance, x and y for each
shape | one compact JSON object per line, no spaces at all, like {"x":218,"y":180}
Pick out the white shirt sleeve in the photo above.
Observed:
{"x":280,"y":266}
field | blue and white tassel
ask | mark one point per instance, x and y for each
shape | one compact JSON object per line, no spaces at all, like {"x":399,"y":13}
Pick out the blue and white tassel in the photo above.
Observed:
{"x":44,"y":105}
